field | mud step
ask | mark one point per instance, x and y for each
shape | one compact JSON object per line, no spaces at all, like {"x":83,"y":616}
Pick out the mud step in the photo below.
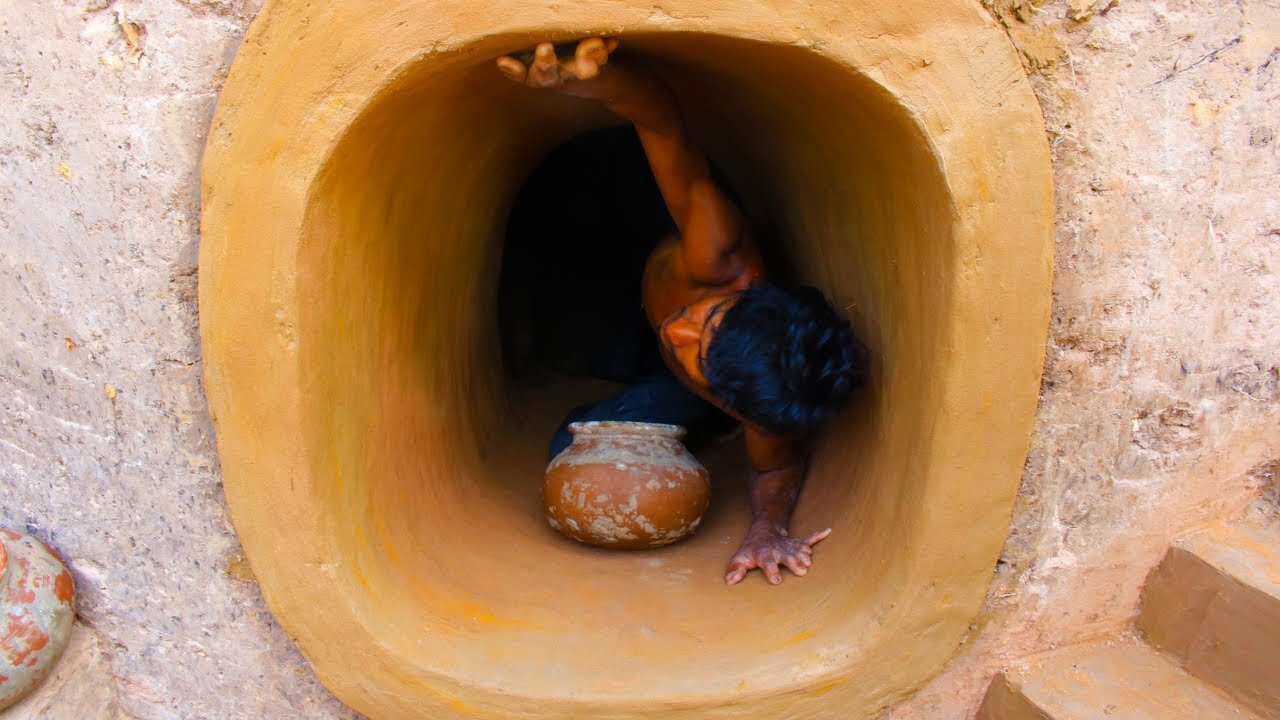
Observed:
{"x":1213,"y":603}
{"x":1111,"y":680}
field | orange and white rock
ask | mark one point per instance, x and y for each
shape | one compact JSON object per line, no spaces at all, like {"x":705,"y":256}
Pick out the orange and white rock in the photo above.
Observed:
{"x":37,"y":599}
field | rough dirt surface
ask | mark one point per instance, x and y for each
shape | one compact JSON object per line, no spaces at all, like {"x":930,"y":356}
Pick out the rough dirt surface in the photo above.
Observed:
{"x":1159,"y":407}
{"x":1159,"y":404}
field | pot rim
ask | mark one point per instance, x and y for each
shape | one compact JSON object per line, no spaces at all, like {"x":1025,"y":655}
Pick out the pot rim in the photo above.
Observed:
{"x":626,"y":427}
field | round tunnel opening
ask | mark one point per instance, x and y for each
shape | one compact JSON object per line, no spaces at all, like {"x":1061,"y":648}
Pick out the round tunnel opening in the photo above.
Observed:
{"x":401,"y":462}
{"x":831,"y":164}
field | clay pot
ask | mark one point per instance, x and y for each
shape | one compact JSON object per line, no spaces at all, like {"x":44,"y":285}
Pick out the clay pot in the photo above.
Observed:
{"x":625,"y":485}
{"x":37,"y":610}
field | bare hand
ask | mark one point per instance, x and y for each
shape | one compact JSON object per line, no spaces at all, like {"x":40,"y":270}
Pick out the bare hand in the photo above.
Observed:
{"x":544,"y":69}
{"x":767,"y":547}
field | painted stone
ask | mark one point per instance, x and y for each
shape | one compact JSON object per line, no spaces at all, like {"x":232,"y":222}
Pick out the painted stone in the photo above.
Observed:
{"x":625,"y":485}
{"x":37,"y":602}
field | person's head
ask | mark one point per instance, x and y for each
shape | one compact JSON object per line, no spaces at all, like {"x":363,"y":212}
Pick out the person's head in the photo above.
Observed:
{"x":784,"y":360}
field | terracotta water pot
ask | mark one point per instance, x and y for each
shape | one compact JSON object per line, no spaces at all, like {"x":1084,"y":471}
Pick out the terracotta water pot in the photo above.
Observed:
{"x":625,"y":485}
{"x":37,"y":610}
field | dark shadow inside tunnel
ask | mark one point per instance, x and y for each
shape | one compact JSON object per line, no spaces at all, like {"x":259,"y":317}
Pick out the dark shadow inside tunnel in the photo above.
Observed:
{"x":573,"y":257}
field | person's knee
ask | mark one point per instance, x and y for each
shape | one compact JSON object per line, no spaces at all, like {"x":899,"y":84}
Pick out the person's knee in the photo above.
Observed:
{"x":561,"y":438}
{"x":559,"y":441}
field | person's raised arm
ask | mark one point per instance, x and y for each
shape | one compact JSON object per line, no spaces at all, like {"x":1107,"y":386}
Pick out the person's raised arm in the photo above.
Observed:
{"x":712,"y":230}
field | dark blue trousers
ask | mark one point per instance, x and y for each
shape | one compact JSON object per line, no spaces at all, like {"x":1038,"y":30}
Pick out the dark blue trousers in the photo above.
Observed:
{"x":660,"y":398}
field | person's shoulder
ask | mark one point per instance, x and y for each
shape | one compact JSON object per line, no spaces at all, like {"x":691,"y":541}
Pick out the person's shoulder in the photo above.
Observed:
{"x":660,"y":267}
{"x":665,"y":249}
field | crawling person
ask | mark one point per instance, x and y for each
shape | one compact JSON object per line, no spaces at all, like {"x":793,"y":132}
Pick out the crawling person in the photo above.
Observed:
{"x":733,"y":346}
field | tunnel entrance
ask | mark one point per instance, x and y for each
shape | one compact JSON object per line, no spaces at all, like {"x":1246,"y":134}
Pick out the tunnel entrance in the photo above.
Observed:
{"x":382,"y":441}
{"x":426,"y":436}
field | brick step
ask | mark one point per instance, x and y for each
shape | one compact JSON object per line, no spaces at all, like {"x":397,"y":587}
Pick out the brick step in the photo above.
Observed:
{"x":1110,"y":680}
{"x":1213,"y":604}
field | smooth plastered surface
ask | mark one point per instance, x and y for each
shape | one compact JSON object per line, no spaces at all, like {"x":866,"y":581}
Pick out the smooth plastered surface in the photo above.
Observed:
{"x":383,"y":474}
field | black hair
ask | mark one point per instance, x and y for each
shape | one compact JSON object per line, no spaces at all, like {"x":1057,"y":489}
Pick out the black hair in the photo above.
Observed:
{"x":783,"y":359}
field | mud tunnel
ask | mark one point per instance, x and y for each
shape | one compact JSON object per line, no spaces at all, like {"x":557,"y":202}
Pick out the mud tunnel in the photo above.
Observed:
{"x":381,"y":466}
